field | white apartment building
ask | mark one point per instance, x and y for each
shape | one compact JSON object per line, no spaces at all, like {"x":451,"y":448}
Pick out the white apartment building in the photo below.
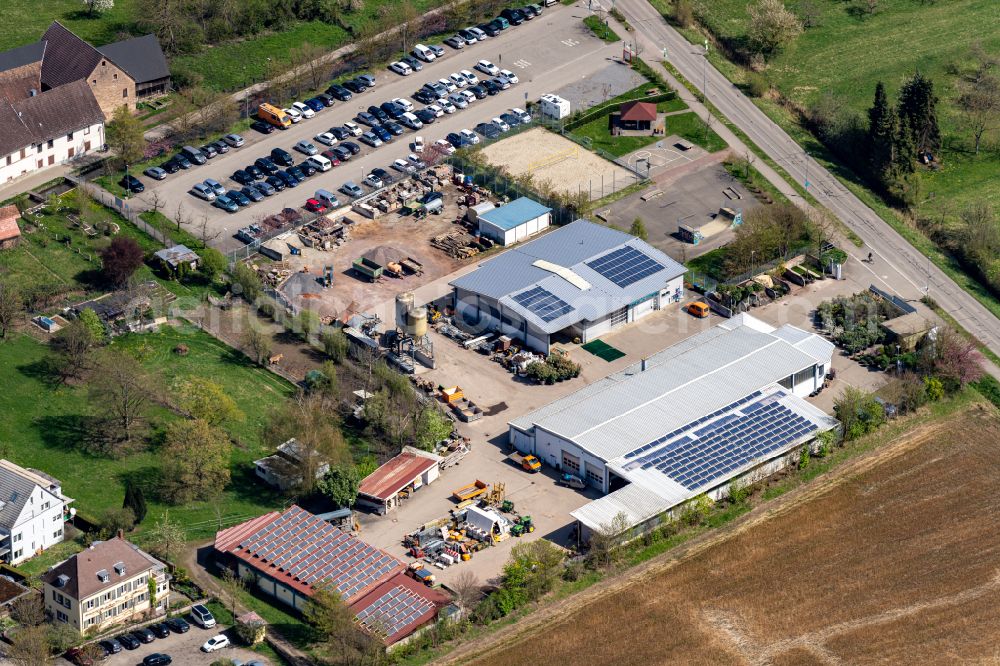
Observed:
{"x":33,"y":511}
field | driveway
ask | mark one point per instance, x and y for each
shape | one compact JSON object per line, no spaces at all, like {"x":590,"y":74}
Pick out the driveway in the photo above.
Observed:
{"x":547,"y":54}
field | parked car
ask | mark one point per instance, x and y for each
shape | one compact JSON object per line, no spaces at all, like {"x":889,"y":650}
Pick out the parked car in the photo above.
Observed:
{"x":479,"y":33}
{"x":510,"y":119}
{"x":182,"y":161}
{"x":421,"y":52}
{"x":367,"y":79}
{"x":436,"y":109}
{"x":437,"y":89}
{"x":501,"y":22}
{"x":458,"y":80}
{"x":215,"y":186}
{"x":265,"y":165}
{"x":282,"y":157}
{"x":371,"y":140}
{"x":500,"y":82}
{"x":340,"y":92}
{"x":479,"y":91}
{"x":265,"y":187}
{"x":444,"y":146}
{"x":489,"y":130}
{"x":252,"y":193}
{"x":226,"y":204}
{"x":234,"y":140}
{"x":296,"y":172}
{"x":528,"y":12}
{"x":156,"y":173}
{"x":202,"y":191}
{"x":343,"y":152}
{"x":262,"y":127}
{"x":411,"y":121}
{"x":401,"y":68}
{"x":457,"y":140}
{"x":436,"y":50}
{"x":339,"y":133}
{"x":307,"y":168}
{"x":315,"y":103}
{"x":426,"y":116}
{"x":415,"y":160}
{"x":418,"y":144}
{"x":221,"y":146}
{"x":170,"y":166}
{"x":77,"y":656}
{"x":456,"y":42}
{"x":287,"y":178}
{"x":382,"y":133}
{"x":305,"y":148}
{"x":353,"y":147}
{"x":366,"y":118}
{"x":352,"y":128}
{"x":314,"y":206}
{"x":509,"y":75}
{"x":111,"y":646}
{"x":202,"y":616}
{"x":468,"y":96}
{"x":276,"y":183}
{"x":143,"y":633}
{"x":513,"y":16}
{"x":469,"y":136}
{"x":403,"y":166}
{"x":424,"y":96}
{"x":132,"y":184}
{"x":326,"y":98}
{"x":446,"y":105}
{"x":356,"y":86}
{"x":242,"y":177}
{"x":522,"y":115}
{"x":500,"y":124}
{"x":239,"y":199}
{"x":371,"y":180}
{"x":469,"y":36}
{"x":293,"y":115}
{"x":304,"y":109}
{"x":391,"y":110}
{"x":351,"y":189}
{"x":159,"y":629}
{"x":156,"y":659}
{"x":393,"y":128}
{"x":378,"y":113}
{"x":255,"y":171}
{"x":209,"y":150}
{"x":491,"y":29}
{"x":178,"y":625}
{"x":414,"y":64}
{"x":128,"y":641}
{"x":332,"y":156}
{"x":215,"y":643}
{"x":193,"y":155}
{"x":491,"y":87}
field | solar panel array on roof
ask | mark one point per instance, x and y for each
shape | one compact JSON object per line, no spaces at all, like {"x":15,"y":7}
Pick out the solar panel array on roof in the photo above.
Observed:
{"x":393,"y":611}
{"x":726,"y":444}
{"x":314,"y":551}
{"x":625,"y":266}
{"x":543,"y":303}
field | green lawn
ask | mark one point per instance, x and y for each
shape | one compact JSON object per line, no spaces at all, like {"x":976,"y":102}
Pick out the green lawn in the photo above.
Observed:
{"x":686,"y":125}
{"x":43,"y":419}
{"x":711,"y":264}
{"x":599,"y":28}
{"x":26,"y":20}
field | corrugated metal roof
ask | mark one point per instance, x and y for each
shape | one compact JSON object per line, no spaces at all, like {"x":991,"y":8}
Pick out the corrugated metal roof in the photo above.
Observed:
{"x":636,"y":502}
{"x":515,"y":213}
{"x":514,"y":271}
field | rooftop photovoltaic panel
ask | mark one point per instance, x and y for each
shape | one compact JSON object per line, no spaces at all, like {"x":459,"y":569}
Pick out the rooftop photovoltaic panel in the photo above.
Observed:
{"x":543,"y":303}
{"x":393,"y":611}
{"x":625,"y":266}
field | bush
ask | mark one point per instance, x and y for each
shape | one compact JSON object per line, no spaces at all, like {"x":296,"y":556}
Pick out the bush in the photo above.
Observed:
{"x":757,"y":84}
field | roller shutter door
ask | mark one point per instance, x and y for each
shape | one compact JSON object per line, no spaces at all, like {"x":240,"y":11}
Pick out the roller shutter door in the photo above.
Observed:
{"x":570,"y":463}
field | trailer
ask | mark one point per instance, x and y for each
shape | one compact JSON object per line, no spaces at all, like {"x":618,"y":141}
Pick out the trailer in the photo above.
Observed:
{"x":471,"y":491}
{"x":368,"y":268}
{"x":412,"y":266}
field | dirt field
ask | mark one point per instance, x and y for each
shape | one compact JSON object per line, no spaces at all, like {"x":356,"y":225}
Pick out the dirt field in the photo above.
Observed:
{"x":564,"y":164}
{"x":894,"y":562}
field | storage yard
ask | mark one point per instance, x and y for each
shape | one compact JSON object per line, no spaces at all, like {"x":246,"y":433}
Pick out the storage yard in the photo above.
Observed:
{"x":863,"y":569}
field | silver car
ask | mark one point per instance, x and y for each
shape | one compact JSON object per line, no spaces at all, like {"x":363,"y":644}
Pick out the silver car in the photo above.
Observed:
{"x":306,"y":148}
{"x":234,"y":140}
{"x":203,"y":191}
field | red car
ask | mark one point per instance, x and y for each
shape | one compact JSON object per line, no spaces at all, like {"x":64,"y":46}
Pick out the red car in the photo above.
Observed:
{"x":332,"y":156}
{"x":314,"y":206}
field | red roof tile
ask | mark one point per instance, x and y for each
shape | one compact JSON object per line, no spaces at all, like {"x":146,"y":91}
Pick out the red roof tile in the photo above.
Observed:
{"x":634,"y":111}
{"x":394,"y":475}
{"x":8,"y":222}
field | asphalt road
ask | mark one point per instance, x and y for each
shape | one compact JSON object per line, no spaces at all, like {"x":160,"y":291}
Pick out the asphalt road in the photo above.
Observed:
{"x":896,"y":262}
{"x":547,"y":53}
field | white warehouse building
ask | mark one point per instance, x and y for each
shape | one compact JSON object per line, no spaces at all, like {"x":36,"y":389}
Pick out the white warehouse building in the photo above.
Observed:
{"x":723,"y":405}
{"x":580,"y":281}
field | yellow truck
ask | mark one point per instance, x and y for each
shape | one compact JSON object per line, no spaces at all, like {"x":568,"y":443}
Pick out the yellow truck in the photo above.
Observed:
{"x":272,"y":114}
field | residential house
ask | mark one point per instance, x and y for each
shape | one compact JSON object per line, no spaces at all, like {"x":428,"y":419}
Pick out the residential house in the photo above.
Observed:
{"x":293,"y":553}
{"x":48,"y":129}
{"x":143,"y":60}
{"x":109,"y":583}
{"x":10,"y":233}
{"x":284,"y":470}
{"x":32,"y":512}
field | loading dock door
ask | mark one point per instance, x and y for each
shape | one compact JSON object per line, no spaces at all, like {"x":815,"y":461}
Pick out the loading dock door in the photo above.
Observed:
{"x":594,"y":476}
{"x":570,"y":463}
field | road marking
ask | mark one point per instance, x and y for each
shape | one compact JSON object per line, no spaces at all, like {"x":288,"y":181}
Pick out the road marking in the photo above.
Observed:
{"x":570,"y":42}
{"x":522,"y":63}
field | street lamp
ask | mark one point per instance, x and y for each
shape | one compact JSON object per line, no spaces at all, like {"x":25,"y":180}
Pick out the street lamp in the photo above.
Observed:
{"x":128,"y":188}
{"x":704,"y":75}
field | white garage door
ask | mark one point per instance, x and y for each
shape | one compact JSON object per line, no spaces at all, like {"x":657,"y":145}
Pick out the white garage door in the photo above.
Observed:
{"x":571,"y":463}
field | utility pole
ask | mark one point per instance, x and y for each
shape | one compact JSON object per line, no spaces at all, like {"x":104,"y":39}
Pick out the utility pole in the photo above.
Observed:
{"x":704,"y":75}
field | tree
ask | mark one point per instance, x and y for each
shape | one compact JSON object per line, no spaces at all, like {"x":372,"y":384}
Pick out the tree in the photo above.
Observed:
{"x":74,"y":344}
{"x":95,"y":7}
{"x":246,"y":282}
{"x":11,"y":307}
{"x":135,"y":500}
{"x":232,"y":587}
{"x":918,"y":107}
{"x":167,"y":539}
{"x":201,"y":398}
{"x":340,"y":485}
{"x":871,"y":6}
{"x":29,"y":646}
{"x":121,"y":259}
{"x":309,"y":420}
{"x":980,"y":107}
{"x":115,"y":520}
{"x":257,"y":344}
{"x":335,"y":344}
{"x":638,"y":229}
{"x":881,"y":133}
{"x":952,"y":359}
{"x":94,"y":324}
{"x":334,"y":622}
{"x":810,"y":13}
{"x":212,"y":262}
{"x":125,"y":136}
{"x":431,"y":427}
{"x":684,"y":13}
{"x":307,"y":323}
{"x":28,"y":610}
{"x":468,"y":590}
{"x":771,"y":26}
{"x":122,"y":391}
{"x":323,"y":381}
{"x":604,"y":541}
{"x":543,"y":560}
{"x":197,"y":458}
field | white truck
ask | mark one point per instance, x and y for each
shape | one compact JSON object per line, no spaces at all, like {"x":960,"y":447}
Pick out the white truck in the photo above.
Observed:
{"x":554,"y":106}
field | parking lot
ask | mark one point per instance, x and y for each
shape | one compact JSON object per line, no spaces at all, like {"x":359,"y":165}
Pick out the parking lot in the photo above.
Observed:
{"x":547,"y":53}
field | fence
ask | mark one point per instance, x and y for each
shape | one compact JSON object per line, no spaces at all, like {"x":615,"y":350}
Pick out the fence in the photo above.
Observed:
{"x":607,"y":107}
{"x":122,"y":207}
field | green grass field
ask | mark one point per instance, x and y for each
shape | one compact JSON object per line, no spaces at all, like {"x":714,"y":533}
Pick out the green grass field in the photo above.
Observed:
{"x":599,"y":28}
{"x":42,"y":422}
{"x":26,"y":20}
{"x":686,"y":125}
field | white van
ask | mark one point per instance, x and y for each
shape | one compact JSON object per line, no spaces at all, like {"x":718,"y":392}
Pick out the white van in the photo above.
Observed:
{"x":418,"y":144}
{"x":321,"y":163}
{"x":327,"y":198}
{"x":423,"y":53}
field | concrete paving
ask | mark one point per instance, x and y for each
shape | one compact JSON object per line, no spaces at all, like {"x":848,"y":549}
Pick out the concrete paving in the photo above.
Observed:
{"x":547,"y":54}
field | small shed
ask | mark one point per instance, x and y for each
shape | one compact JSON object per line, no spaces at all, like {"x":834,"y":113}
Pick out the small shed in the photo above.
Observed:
{"x":487,"y":524}
{"x":637,"y":115}
{"x":910,"y":329}
{"x":514,"y":222}
{"x":383,"y":489}
{"x":10,"y":232}
{"x":177,"y":256}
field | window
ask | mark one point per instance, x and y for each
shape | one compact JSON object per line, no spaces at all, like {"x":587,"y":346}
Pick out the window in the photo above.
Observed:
{"x":104,"y":63}
{"x":52,"y":160}
{"x":57,"y":534}
{"x":56,"y":518}
{"x":90,"y":603}
{"x":71,"y":152}
{"x":69,"y":137}
{"x":18,"y":553}
{"x":62,"y":617}
{"x":24,"y":153}
{"x":51,"y":143}
{"x":93,"y":82}
{"x":38,"y":148}
{"x":17,"y":537}
{"x":115,"y":77}
{"x":9,"y":160}
{"x":124,"y":92}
